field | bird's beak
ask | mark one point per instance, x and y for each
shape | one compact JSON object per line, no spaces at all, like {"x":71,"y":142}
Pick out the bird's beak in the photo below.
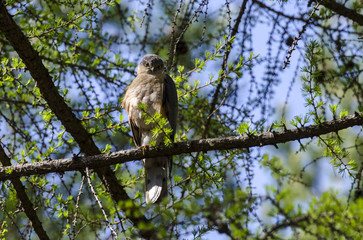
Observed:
{"x":152,"y":69}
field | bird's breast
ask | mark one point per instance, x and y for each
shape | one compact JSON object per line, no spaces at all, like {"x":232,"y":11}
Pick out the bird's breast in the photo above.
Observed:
{"x":145,"y":89}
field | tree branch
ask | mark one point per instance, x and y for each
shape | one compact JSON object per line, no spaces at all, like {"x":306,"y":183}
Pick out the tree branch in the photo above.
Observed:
{"x":344,"y":11}
{"x":210,"y":144}
{"x":25,"y":201}
{"x":270,"y":233}
{"x":64,"y":113}
{"x":332,"y":5}
{"x":262,"y":5}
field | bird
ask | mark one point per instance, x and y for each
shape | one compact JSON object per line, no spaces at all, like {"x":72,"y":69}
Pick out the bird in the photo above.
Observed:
{"x":156,"y":92}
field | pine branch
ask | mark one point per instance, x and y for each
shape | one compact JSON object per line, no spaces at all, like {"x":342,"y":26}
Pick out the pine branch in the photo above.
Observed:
{"x":209,"y":144}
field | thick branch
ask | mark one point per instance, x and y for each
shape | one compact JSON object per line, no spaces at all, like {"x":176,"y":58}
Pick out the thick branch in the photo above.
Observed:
{"x":25,"y":201}
{"x":344,"y":11}
{"x":57,"y":104}
{"x":210,"y":144}
{"x":262,"y":5}
{"x":332,"y":5}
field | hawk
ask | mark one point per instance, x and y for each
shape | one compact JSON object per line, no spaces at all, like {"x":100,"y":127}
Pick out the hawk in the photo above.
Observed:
{"x":155,"y":90}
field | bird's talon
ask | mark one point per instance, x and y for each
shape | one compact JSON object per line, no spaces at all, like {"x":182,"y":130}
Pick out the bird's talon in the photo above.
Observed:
{"x":144,"y":148}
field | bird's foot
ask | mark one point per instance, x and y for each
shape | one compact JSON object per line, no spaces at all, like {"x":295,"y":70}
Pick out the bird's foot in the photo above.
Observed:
{"x":144,"y":148}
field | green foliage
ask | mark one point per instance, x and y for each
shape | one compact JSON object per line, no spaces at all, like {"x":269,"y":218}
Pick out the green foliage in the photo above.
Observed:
{"x":3,"y":230}
{"x":161,"y":130}
{"x":245,"y":128}
{"x":229,"y":82}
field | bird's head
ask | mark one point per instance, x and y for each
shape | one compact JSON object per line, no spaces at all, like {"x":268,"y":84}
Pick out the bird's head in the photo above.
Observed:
{"x":151,"y":64}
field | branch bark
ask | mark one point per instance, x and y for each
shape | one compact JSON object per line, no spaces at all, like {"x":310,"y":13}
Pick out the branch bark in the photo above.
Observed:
{"x":64,"y":113}
{"x":263,"y":5}
{"x":332,"y":5}
{"x":209,"y":144}
{"x":344,"y":11}
{"x":25,"y":201}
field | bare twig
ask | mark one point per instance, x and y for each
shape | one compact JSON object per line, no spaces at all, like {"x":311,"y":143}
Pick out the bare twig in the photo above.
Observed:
{"x":114,"y":234}
{"x":294,"y":43}
{"x":76,"y":208}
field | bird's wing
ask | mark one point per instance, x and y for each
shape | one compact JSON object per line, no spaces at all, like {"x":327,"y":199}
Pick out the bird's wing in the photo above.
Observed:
{"x":136,"y":133}
{"x":129,"y":95}
{"x":171,"y":102}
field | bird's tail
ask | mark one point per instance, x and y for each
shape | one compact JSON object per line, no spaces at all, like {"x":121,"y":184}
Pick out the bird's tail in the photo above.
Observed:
{"x":155,"y":179}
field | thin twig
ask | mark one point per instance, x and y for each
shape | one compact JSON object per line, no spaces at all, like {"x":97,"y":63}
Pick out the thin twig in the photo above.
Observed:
{"x":294,"y":43}
{"x":76,"y":208}
{"x":114,"y":234}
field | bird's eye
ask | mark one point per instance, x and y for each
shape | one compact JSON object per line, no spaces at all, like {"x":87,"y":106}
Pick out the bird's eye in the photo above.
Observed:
{"x":147,"y":64}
